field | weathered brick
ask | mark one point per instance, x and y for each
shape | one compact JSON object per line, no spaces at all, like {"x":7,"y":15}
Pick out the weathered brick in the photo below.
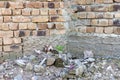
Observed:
{"x":90,"y":29}
{"x":6,"y":33}
{"x":117,"y":0}
{"x":54,"y":32}
{"x":80,"y":1}
{"x":44,"y":12}
{"x":32,"y":26}
{"x":16,"y":5}
{"x":40,"y":19}
{"x":100,"y":8}
{"x":51,"y":5}
{"x":17,"y":11}
{"x":1,"y":19}
{"x":23,"y":25}
{"x":42,"y":26}
{"x":16,"y":40}
{"x":35,"y":12}
{"x":52,"y":12}
{"x":90,"y":15}
{"x":5,"y":26}
{"x":99,"y":15}
{"x":34,"y":4}
{"x":59,"y":26}
{"x":116,"y":30}
{"x":57,"y":4}
{"x":108,"y":30}
{"x":62,"y":4}
{"x":1,"y":41}
{"x":99,"y":1}
{"x":45,"y":4}
{"x":82,"y":15}
{"x":21,"y":19}
{"x":116,"y":22}
{"x":110,"y":22}
{"x":94,"y":22}
{"x":6,"y":12}
{"x":21,"y":33}
{"x":2,"y":4}
{"x":41,"y":33}
{"x":108,"y":1}
{"x":103,"y":22}
{"x":7,"y":40}
{"x":57,"y":19}
{"x":26,"y":12}
{"x":80,"y":8}
{"x":51,"y":26}
{"x":108,"y":15}
{"x":7,"y":19}
{"x":7,"y":48}
{"x":13,"y":26}
{"x":99,"y":29}
{"x":89,"y":1}
{"x":116,"y":7}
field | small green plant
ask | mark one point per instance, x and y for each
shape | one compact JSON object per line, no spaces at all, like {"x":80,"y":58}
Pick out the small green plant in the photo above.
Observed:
{"x":59,"y":48}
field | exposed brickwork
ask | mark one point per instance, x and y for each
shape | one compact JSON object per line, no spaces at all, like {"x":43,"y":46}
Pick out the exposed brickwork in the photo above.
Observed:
{"x":28,"y":18}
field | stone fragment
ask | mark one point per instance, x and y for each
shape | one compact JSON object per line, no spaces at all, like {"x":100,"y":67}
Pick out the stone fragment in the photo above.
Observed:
{"x":88,"y":54}
{"x":18,"y":77}
{"x":58,"y":62}
{"x":29,"y":66}
{"x":80,"y":70}
{"x":39,"y":68}
{"x":20,"y":62}
{"x":1,"y":68}
{"x":50,"y":61}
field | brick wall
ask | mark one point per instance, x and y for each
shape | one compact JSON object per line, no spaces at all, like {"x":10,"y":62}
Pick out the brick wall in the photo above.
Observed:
{"x":95,"y":26}
{"x":24,"y":19}
{"x":95,"y":16}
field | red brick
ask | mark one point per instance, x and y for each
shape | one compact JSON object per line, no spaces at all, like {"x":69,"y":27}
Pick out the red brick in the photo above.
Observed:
{"x":103,"y":22}
{"x":35,"y":12}
{"x":59,"y":26}
{"x":42,"y":26}
{"x":7,"y":19}
{"x":44,"y":12}
{"x":6,"y":12}
{"x":99,"y":30}
{"x":17,"y":11}
{"x":23,"y":25}
{"x":57,"y":19}
{"x":40,"y":19}
{"x":32,"y":26}
{"x":7,"y":48}
{"x":7,"y":40}
{"x":34,"y":4}
{"x":21,"y":19}
{"x":13,"y":26}
{"x":117,"y":0}
{"x":90,"y":29}
{"x":16,"y":5}
{"x":16,"y":40}
{"x":52,"y":12}
{"x":26,"y":12}
{"x":5,"y":26}
{"x":108,"y":30}
{"x":2,"y":4}
{"x":116,"y":30}
{"x":6,"y":33}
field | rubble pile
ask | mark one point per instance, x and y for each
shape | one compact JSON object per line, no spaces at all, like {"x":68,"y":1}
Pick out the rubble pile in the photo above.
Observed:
{"x":50,"y":64}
